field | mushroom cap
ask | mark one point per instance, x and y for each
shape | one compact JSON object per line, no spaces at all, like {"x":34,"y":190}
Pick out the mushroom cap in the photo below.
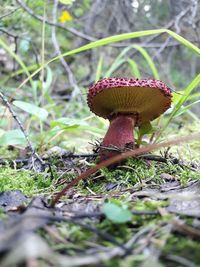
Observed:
{"x":147,"y":99}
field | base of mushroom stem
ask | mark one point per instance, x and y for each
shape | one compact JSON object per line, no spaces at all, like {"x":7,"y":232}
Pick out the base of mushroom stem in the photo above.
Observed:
{"x":111,"y":151}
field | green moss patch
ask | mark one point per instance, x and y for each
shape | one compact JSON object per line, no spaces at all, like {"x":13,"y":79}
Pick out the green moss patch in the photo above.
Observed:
{"x":140,"y":172}
{"x":26,"y":181}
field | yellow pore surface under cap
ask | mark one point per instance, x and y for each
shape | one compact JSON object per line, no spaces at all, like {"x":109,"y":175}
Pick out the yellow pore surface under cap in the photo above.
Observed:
{"x":149,"y":103}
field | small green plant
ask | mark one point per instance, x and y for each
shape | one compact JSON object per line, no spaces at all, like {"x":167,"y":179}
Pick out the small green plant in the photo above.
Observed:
{"x":116,"y":211}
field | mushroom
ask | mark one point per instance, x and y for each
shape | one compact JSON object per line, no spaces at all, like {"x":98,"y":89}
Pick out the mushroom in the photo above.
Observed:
{"x":126,"y":103}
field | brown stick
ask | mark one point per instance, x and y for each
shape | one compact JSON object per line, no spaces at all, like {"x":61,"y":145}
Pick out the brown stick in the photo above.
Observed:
{"x":121,"y":157}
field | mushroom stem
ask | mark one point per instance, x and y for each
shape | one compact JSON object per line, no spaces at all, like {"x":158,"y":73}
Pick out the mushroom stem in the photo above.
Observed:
{"x":118,"y":137}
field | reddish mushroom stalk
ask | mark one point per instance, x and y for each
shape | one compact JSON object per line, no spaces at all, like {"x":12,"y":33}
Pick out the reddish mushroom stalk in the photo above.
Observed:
{"x":119,"y":136}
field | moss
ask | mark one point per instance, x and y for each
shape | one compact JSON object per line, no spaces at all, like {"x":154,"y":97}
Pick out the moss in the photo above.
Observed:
{"x":133,"y":172}
{"x":26,"y":181}
{"x":137,"y":171}
{"x":148,"y":204}
{"x":183,"y":247}
{"x":8,"y":152}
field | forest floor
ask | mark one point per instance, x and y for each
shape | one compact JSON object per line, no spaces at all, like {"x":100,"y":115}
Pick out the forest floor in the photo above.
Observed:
{"x":143,"y":212}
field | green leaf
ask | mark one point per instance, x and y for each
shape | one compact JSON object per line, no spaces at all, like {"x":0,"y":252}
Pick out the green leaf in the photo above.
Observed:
{"x":116,"y":214}
{"x":12,"y":137}
{"x":94,"y":130}
{"x":145,"y":128}
{"x":68,"y":123}
{"x":24,"y":45}
{"x":41,"y":113}
{"x":75,"y":124}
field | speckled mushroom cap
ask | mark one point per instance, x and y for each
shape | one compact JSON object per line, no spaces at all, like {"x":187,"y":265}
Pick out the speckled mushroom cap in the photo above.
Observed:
{"x":146,"y":98}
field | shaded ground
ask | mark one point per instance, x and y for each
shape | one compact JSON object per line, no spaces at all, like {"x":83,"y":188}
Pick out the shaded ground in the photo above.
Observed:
{"x":163,"y":230}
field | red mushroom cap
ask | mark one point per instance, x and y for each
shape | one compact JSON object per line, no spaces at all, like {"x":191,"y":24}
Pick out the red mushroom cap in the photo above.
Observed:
{"x":145,"y":98}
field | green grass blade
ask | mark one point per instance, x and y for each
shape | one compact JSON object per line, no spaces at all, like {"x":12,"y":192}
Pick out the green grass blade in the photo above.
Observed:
{"x":183,"y":41}
{"x":149,"y":60}
{"x":134,"y":68}
{"x":99,"y":69}
{"x":193,"y":116}
{"x":17,"y":58}
{"x":19,"y":72}
{"x":113,"y":39}
{"x":194,"y":96}
{"x":116,"y":64}
{"x":188,"y":90}
{"x":126,"y":36}
{"x":118,"y":61}
{"x":186,"y":108}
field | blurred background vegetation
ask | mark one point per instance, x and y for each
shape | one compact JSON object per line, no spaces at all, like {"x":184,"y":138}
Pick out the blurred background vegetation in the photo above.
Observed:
{"x":52,"y":104}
